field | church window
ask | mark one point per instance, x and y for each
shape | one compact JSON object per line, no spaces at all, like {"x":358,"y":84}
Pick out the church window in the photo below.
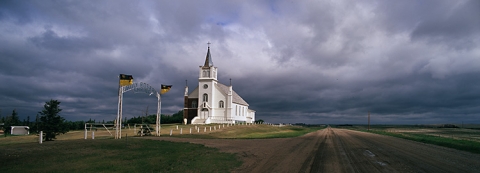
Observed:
{"x":221,"y":104}
{"x":194,"y":104}
{"x":205,"y":97}
{"x":206,"y":73}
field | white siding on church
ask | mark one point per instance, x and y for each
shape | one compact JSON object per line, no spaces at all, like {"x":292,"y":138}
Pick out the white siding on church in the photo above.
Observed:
{"x":239,"y":113}
{"x":219,"y":113}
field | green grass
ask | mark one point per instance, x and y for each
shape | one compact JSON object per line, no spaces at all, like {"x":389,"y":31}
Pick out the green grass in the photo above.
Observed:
{"x":108,"y":155}
{"x":465,"y":145}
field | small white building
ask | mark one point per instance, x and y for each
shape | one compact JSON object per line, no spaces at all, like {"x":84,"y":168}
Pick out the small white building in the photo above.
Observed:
{"x":213,"y":102}
{"x":19,"y":130}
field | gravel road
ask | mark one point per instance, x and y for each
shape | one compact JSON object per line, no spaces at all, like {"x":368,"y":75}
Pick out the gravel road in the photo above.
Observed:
{"x":340,"y":150}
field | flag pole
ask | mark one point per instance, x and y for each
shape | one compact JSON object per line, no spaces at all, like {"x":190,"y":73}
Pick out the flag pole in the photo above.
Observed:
{"x":159,"y":108}
{"x":118,"y":108}
{"x":118,"y":129}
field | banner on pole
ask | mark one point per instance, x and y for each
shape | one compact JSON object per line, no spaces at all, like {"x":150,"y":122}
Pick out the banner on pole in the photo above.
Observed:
{"x":165,"y":89}
{"x":126,"y":80}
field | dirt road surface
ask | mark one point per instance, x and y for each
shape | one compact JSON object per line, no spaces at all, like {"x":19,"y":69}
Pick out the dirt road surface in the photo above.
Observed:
{"x":340,"y":150}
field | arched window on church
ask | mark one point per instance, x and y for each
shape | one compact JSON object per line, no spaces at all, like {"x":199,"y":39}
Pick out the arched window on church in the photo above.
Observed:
{"x":205,"y":97}
{"x":221,"y":104}
{"x":194,"y":104}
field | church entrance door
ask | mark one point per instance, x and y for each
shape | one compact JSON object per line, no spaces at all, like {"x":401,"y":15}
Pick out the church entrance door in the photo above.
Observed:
{"x":204,"y":113}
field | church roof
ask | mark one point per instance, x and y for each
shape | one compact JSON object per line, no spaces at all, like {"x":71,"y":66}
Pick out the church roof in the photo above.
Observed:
{"x":208,"y":59}
{"x":235,"y":97}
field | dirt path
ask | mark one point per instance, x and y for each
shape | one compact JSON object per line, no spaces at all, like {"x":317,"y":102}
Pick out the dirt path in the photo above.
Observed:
{"x":339,"y":150}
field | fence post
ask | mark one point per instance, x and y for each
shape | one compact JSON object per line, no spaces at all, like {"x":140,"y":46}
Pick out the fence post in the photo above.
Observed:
{"x":40,"y":137}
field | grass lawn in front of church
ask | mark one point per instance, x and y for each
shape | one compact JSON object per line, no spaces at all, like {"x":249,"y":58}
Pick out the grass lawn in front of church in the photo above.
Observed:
{"x":110,"y":155}
{"x":257,"y":131}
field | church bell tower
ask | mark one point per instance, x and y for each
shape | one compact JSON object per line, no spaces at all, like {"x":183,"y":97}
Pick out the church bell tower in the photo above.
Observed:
{"x":206,"y":83}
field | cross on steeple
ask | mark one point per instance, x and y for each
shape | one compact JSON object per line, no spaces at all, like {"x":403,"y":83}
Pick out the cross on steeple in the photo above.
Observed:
{"x":208,"y":43}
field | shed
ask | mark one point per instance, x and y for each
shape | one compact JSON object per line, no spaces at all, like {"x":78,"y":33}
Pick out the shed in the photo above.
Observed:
{"x":20,"y":130}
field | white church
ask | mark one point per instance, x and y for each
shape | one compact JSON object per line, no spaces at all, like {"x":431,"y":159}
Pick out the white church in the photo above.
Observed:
{"x":213,"y":102}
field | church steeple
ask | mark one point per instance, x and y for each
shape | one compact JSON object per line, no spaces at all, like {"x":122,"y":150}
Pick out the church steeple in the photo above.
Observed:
{"x":208,"y":71}
{"x":208,"y":59}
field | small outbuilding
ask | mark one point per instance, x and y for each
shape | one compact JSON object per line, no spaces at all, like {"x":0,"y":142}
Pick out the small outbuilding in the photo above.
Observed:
{"x":20,"y":130}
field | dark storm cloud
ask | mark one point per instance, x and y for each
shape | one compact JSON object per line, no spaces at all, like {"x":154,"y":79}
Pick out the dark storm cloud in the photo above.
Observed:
{"x":50,"y":40}
{"x":313,"y":62}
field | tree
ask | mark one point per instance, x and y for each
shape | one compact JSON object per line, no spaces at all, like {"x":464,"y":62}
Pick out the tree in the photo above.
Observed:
{"x":15,"y":120}
{"x":51,"y":123}
{"x":10,"y":121}
{"x":35,"y":127}
{"x":260,"y":121}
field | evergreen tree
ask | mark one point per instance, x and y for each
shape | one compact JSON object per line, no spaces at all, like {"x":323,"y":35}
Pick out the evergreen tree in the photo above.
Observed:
{"x":37,"y":123}
{"x":15,"y":120}
{"x":260,"y":121}
{"x":51,"y":123}
{"x":10,"y":121}
{"x":28,"y":121}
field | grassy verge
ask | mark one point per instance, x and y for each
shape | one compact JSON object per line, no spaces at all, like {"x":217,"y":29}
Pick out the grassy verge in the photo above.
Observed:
{"x":108,"y":155}
{"x":465,"y":145}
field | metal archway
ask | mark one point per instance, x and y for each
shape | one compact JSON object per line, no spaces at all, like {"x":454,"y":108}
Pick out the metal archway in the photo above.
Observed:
{"x":137,"y":88}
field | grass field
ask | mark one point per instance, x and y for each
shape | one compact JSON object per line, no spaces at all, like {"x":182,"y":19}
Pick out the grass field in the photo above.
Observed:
{"x":457,"y":138}
{"x":109,"y":155}
{"x":241,"y":131}
{"x":72,"y":153}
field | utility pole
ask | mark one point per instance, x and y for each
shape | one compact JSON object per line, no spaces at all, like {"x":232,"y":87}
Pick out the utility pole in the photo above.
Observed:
{"x":146,"y":112}
{"x":368,"y":120}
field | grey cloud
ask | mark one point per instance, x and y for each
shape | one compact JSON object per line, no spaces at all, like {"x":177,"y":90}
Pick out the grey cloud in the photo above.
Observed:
{"x":50,"y":40}
{"x":404,"y":61}
{"x":457,"y":23}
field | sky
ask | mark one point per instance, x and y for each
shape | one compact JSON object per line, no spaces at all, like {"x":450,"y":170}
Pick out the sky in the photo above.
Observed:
{"x":311,"y":61}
